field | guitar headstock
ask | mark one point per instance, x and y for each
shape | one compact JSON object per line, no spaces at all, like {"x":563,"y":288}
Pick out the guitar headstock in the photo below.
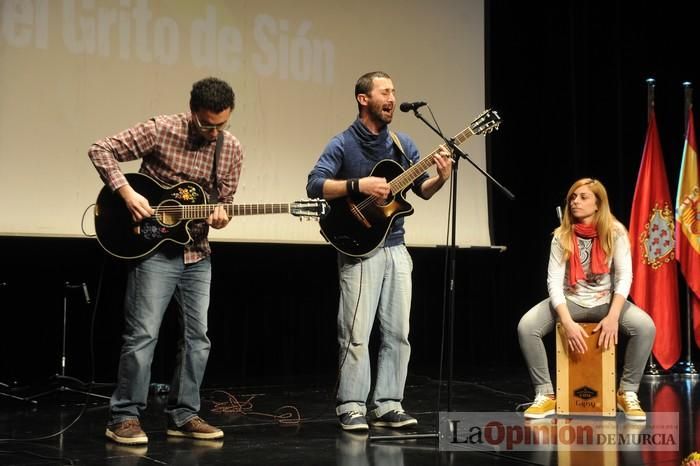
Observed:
{"x":310,"y":208}
{"x":486,"y":122}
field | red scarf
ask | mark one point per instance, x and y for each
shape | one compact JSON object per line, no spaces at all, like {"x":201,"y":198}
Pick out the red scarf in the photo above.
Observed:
{"x":599,"y":264}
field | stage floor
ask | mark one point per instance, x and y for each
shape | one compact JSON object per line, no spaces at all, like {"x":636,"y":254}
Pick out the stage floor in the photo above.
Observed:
{"x":296,"y":425}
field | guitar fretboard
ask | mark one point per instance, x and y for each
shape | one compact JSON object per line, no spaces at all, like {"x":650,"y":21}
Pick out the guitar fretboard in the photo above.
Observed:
{"x":201,"y":211}
{"x":405,"y":179}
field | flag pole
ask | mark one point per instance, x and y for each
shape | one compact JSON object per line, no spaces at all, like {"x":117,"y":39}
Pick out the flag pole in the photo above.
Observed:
{"x":652,"y":369}
{"x":651,"y":84}
{"x":687,"y":368}
{"x":687,"y":100}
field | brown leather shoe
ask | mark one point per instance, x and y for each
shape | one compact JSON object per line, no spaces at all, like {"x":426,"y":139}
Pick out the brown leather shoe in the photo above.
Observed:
{"x":195,"y":428}
{"x":127,"y":432}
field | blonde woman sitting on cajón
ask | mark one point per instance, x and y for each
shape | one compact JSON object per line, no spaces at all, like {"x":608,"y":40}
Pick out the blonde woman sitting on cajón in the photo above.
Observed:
{"x":588,"y":279}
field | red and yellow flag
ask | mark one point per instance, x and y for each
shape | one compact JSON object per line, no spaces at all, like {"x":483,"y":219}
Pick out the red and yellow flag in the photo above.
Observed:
{"x":654,"y":283}
{"x":688,"y":222}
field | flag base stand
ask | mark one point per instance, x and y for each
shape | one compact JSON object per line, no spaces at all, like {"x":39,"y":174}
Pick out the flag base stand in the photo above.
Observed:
{"x":686,"y":369}
{"x":653,"y":371}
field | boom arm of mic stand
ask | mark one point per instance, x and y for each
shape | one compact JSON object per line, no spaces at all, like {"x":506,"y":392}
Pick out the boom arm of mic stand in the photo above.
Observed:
{"x":456,"y":150}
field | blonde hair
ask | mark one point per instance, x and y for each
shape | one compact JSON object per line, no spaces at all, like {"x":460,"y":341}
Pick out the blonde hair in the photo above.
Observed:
{"x":605,"y":222}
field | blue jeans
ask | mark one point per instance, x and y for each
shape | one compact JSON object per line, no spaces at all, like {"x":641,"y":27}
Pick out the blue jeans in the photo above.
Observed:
{"x":540,"y":320}
{"x":151,"y":284}
{"x":378,"y":287}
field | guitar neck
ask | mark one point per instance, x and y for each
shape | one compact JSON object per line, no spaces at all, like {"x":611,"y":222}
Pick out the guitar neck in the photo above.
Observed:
{"x":202,"y":211}
{"x":404,"y":180}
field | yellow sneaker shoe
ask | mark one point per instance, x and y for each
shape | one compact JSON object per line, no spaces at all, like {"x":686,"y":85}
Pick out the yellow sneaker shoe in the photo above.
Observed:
{"x":542,"y":407}
{"x":628,"y":403}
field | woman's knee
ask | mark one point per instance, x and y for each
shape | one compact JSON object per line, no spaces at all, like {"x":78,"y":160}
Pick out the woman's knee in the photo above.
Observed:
{"x":644,"y":325}
{"x":523,"y":327}
{"x":648,"y":328}
{"x":528,"y":326}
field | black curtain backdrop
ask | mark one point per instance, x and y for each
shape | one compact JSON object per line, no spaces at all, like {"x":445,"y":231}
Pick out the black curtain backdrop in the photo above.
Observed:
{"x":568,"y":79}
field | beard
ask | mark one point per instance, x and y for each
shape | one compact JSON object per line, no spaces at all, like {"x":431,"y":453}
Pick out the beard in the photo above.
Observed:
{"x":379,"y":114}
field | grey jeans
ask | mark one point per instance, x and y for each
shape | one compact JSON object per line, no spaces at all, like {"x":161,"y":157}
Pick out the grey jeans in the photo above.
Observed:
{"x":541,"y":319}
{"x":374,"y":288}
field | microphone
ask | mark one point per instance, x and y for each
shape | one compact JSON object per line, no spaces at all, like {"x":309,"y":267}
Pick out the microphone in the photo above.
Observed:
{"x":408,"y":106}
{"x":86,"y":294}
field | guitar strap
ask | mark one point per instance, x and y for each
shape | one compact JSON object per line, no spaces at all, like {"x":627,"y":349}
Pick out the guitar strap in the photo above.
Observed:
{"x":217,"y":150}
{"x":398,"y":145}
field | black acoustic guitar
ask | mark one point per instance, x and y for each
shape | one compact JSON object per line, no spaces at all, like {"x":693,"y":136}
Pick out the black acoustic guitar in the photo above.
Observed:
{"x":175,"y":207}
{"x":357,"y":224}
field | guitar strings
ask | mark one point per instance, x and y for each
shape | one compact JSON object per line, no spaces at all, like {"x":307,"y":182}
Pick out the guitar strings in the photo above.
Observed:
{"x":397,"y":183}
{"x":193,"y":211}
{"x":202,"y":206}
{"x":238,"y":208}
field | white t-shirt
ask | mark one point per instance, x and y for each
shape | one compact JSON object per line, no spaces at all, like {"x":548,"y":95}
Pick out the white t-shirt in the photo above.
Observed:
{"x":596,"y":289}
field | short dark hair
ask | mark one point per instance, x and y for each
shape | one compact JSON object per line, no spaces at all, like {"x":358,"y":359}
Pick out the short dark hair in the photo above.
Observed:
{"x":211,"y":94}
{"x":364,"y":84}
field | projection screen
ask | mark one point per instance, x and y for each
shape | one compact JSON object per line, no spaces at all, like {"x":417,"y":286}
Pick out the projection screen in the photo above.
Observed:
{"x":75,"y":71}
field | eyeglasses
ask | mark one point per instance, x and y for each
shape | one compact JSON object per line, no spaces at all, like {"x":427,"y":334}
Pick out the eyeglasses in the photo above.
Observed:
{"x":207,"y":128}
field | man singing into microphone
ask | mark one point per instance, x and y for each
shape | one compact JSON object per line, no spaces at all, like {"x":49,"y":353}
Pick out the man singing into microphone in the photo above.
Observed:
{"x":379,"y":284}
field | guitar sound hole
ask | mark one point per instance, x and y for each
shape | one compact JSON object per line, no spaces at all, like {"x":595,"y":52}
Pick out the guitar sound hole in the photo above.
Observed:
{"x":169,"y":213}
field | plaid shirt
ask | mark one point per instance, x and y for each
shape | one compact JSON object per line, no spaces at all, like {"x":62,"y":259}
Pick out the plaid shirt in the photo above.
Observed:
{"x":173,"y":151}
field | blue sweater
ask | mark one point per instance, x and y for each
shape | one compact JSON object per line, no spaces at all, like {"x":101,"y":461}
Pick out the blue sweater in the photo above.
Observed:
{"x":353,"y":154}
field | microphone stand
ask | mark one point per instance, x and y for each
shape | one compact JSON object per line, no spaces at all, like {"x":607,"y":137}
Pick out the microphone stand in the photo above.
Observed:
{"x":62,"y":375}
{"x":457,"y":154}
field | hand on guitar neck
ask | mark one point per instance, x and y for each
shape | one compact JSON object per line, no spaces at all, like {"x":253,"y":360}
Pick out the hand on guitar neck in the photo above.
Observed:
{"x":218,"y":218}
{"x":443,"y":163}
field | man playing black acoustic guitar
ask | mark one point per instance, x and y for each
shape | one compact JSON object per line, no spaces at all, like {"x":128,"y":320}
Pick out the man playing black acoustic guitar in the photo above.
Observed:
{"x":173,"y":149}
{"x":378,"y":283}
